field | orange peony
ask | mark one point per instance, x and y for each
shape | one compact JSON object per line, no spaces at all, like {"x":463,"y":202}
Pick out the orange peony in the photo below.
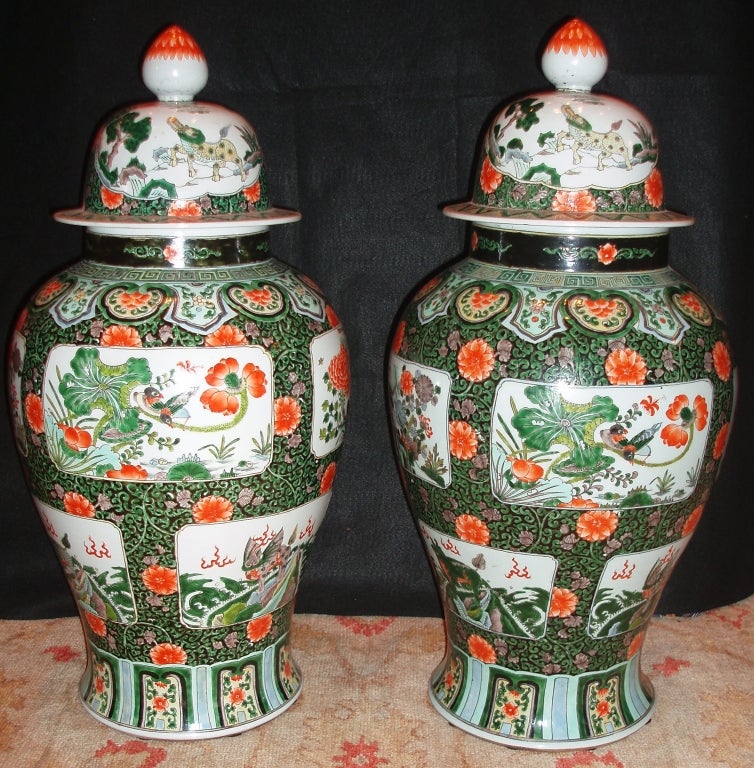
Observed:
{"x":597,"y":525}
{"x":489,"y":177}
{"x":472,"y":529}
{"x":625,"y":366}
{"x":225,"y":336}
{"x":160,"y":580}
{"x":481,"y":649}
{"x":721,"y":360}
{"x":212,"y":509}
{"x":653,"y":188}
{"x":167,"y":653}
{"x":339,"y":370}
{"x":463,"y":440}
{"x":563,"y":603}
{"x":258,"y":628}
{"x":76,"y":504}
{"x":34,"y":412}
{"x":120,"y":336}
{"x":476,"y":360}
{"x":328,"y":477}
{"x":287,"y":415}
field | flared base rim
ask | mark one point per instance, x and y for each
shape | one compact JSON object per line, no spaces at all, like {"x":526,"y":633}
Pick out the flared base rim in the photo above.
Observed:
{"x":541,"y":745}
{"x":188,"y":734}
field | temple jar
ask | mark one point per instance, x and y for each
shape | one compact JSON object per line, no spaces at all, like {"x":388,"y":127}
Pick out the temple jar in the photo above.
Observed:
{"x":179,"y":398}
{"x":560,"y":402}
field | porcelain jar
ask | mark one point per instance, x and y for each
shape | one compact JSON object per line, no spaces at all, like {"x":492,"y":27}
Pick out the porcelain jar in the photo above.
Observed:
{"x":560,"y":402}
{"x":179,"y":397}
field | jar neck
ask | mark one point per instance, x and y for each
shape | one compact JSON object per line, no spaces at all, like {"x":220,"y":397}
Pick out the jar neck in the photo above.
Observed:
{"x":176,"y":251}
{"x":572,"y":253}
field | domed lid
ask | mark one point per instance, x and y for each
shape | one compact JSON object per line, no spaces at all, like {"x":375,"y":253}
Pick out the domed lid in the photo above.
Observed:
{"x":570,"y":160}
{"x":176,"y":163}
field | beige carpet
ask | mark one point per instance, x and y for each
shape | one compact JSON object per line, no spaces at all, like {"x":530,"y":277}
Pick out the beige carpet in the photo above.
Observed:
{"x":364,"y":703}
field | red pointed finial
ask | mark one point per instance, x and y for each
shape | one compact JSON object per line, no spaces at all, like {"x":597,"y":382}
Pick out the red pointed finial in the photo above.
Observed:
{"x":174,"y":43}
{"x":576,"y":36}
{"x":575,"y":58}
{"x":174,"y":67}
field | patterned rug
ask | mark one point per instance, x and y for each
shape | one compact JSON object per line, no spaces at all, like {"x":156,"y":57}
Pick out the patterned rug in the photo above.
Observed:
{"x":365,"y":705}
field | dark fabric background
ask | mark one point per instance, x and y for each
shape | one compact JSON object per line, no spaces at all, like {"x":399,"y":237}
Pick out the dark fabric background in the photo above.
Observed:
{"x":370,"y":114}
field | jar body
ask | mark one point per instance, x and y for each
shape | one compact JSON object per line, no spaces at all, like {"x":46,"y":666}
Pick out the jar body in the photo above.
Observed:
{"x":179,"y":406}
{"x":560,"y":408}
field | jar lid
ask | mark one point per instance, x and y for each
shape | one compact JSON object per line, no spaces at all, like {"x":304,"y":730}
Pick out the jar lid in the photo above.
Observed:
{"x":176,"y":163}
{"x":570,"y":160}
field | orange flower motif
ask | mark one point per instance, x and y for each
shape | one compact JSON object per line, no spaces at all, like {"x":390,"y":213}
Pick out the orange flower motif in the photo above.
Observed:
{"x":650,"y":404}
{"x":596,"y":525}
{"x":120,"y":336}
{"x":287,"y":415}
{"x":677,"y":435}
{"x":212,"y":509}
{"x":472,"y":529}
{"x":607,"y":253}
{"x":721,"y":441}
{"x":160,"y":703}
{"x":400,"y":331}
{"x":625,"y":366}
{"x":160,"y":580}
{"x":480,"y":649}
{"x":691,"y":302}
{"x":133,"y":299}
{"x":236,"y":696}
{"x":261,"y":296}
{"x":489,"y":177}
{"x":526,"y":471}
{"x":674,"y":435}
{"x":578,"y":503}
{"x":225,"y":336}
{"x":692,"y":520}
{"x":34,"y":412}
{"x":483,"y":300}
{"x":653,"y":188}
{"x":407,"y":383}
{"x":476,"y":360}
{"x":48,"y":290}
{"x":110,"y":199}
{"x":223,"y":396}
{"x":96,"y":623}
{"x":721,"y":360}
{"x":258,"y":628}
{"x":474,"y":240}
{"x":328,"y":477}
{"x":167,"y":653}
{"x":253,"y":193}
{"x":76,"y":504}
{"x":339,"y":370}
{"x":562,"y":603}
{"x":187,"y":209}
{"x":510,"y":709}
{"x":463,"y":440}
{"x":574,"y":201}
{"x":601,"y":307}
{"x":127,"y":472}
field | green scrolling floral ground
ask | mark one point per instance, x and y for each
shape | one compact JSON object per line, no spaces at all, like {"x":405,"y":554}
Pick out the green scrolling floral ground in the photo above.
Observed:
{"x":364,"y":703}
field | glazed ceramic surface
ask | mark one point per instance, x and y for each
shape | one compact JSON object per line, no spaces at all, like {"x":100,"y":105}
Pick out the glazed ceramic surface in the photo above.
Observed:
{"x":179,"y":397}
{"x":561,"y":400}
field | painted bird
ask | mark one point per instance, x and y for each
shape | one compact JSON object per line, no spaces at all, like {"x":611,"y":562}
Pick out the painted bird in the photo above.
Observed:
{"x":151,"y":401}
{"x":617,"y":440}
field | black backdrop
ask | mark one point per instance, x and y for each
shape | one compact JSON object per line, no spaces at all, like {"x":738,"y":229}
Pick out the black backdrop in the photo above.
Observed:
{"x":370,"y":114}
